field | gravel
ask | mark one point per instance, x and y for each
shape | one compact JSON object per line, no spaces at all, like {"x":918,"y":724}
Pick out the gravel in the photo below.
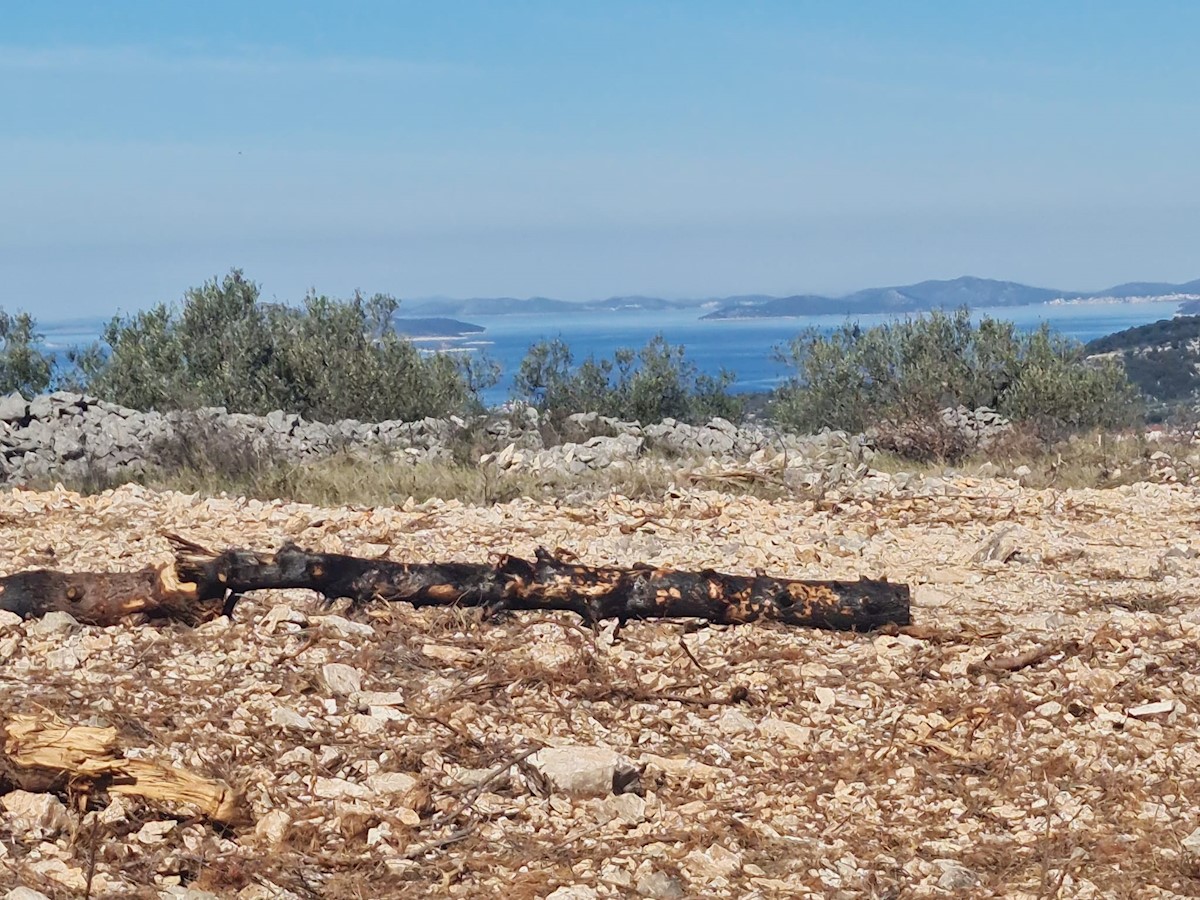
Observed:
{"x":398,"y":748}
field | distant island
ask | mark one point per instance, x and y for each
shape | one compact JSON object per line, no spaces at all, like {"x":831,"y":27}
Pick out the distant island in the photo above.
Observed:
{"x":925,"y":295}
{"x":434,"y":327}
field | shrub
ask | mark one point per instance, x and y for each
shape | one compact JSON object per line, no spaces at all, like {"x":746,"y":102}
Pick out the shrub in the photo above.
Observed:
{"x":647,"y":385}
{"x":330,"y":359}
{"x":898,"y":376}
{"x":24,"y":366}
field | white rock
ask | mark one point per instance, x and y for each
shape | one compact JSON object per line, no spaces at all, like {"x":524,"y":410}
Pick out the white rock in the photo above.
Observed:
{"x":392,"y":782}
{"x":628,"y":808}
{"x":344,"y":627}
{"x":340,"y":789}
{"x":300,"y":757}
{"x":583,"y":771}
{"x":340,"y":679}
{"x":797,"y":735}
{"x":1151,"y":709}
{"x":155,"y":832}
{"x":367,"y":724}
{"x":954,"y":876}
{"x":1191,"y":843}
{"x":24,"y":893}
{"x":289,"y":718}
{"x":734,"y":721}
{"x":9,"y":619}
{"x":34,"y":816}
{"x":660,"y":886}
{"x":925,"y":595}
{"x":55,"y":622}
{"x":367,"y":699}
{"x":715,"y":862}
{"x":273,"y":826}
{"x":71,"y":877}
{"x":573,"y":892}
{"x":379,"y":834}
{"x":116,"y":812}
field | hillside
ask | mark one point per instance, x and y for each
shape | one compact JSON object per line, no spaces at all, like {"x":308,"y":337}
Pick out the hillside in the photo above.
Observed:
{"x":1162,"y":358}
{"x":965,"y":291}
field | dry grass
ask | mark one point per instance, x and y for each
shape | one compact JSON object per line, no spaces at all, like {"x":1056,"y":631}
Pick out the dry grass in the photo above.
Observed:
{"x":345,"y":480}
{"x":1095,"y":459}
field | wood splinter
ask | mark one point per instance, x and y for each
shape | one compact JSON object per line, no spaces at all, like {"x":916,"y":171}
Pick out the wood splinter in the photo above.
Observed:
{"x":43,"y":753}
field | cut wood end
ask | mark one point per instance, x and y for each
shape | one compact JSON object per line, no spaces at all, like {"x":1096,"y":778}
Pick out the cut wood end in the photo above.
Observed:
{"x":171,"y":585}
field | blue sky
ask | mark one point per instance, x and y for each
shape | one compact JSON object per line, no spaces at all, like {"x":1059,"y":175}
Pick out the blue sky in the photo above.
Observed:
{"x":583,"y":150}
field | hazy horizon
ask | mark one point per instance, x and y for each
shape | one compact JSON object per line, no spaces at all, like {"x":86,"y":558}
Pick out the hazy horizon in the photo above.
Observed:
{"x":537,"y":149}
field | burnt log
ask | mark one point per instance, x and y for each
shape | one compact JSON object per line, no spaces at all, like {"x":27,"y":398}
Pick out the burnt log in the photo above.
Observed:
{"x":105,"y":598}
{"x":551,"y":583}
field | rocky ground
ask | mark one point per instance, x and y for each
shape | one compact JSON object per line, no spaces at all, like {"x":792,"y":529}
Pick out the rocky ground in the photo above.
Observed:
{"x":1035,"y":735}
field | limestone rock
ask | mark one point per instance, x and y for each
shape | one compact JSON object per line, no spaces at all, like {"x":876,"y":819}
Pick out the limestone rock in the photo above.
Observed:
{"x":584,"y":771}
{"x":34,"y":816}
{"x":341,"y":680}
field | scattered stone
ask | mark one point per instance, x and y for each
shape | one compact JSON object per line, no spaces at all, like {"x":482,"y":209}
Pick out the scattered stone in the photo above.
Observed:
{"x":273,"y":827}
{"x":789,"y":732}
{"x":33,"y":816}
{"x":955,"y":877}
{"x":340,"y":679}
{"x":1151,"y":709}
{"x":660,"y":886}
{"x":734,"y":721}
{"x":573,"y":892}
{"x":25,"y":893}
{"x":1000,"y":547}
{"x":289,"y":718}
{"x":52,"y":623}
{"x":584,"y":771}
{"x":155,"y":832}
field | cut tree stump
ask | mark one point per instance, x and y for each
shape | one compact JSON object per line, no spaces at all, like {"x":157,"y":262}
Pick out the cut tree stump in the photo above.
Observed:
{"x":204,"y":584}
{"x":551,"y":583}
{"x":42,"y":753}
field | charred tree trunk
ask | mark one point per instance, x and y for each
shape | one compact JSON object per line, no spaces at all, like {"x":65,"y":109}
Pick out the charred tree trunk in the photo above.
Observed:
{"x":550,"y":583}
{"x":203,"y":584}
{"x":104,"y":598}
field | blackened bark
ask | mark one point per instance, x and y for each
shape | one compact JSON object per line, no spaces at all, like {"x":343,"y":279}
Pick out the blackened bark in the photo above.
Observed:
{"x":550,"y":583}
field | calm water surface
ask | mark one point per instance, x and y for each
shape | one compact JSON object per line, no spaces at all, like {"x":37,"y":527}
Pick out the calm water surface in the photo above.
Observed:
{"x":743,"y":346}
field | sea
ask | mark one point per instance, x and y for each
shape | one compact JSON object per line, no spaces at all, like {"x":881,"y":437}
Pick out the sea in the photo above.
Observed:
{"x":745,"y":347}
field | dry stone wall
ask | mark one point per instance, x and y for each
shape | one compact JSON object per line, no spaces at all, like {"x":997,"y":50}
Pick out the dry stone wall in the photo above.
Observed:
{"x":70,"y":436}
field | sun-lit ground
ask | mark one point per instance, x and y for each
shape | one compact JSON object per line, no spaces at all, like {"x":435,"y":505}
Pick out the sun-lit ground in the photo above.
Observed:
{"x":1035,"y":735}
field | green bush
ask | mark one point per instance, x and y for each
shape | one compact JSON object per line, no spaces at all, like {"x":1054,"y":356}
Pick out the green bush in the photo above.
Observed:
{"x":24,"y":366}
{"x":328,"y":360}
{"x":906,"y":372}
{"x":647,"y":385}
